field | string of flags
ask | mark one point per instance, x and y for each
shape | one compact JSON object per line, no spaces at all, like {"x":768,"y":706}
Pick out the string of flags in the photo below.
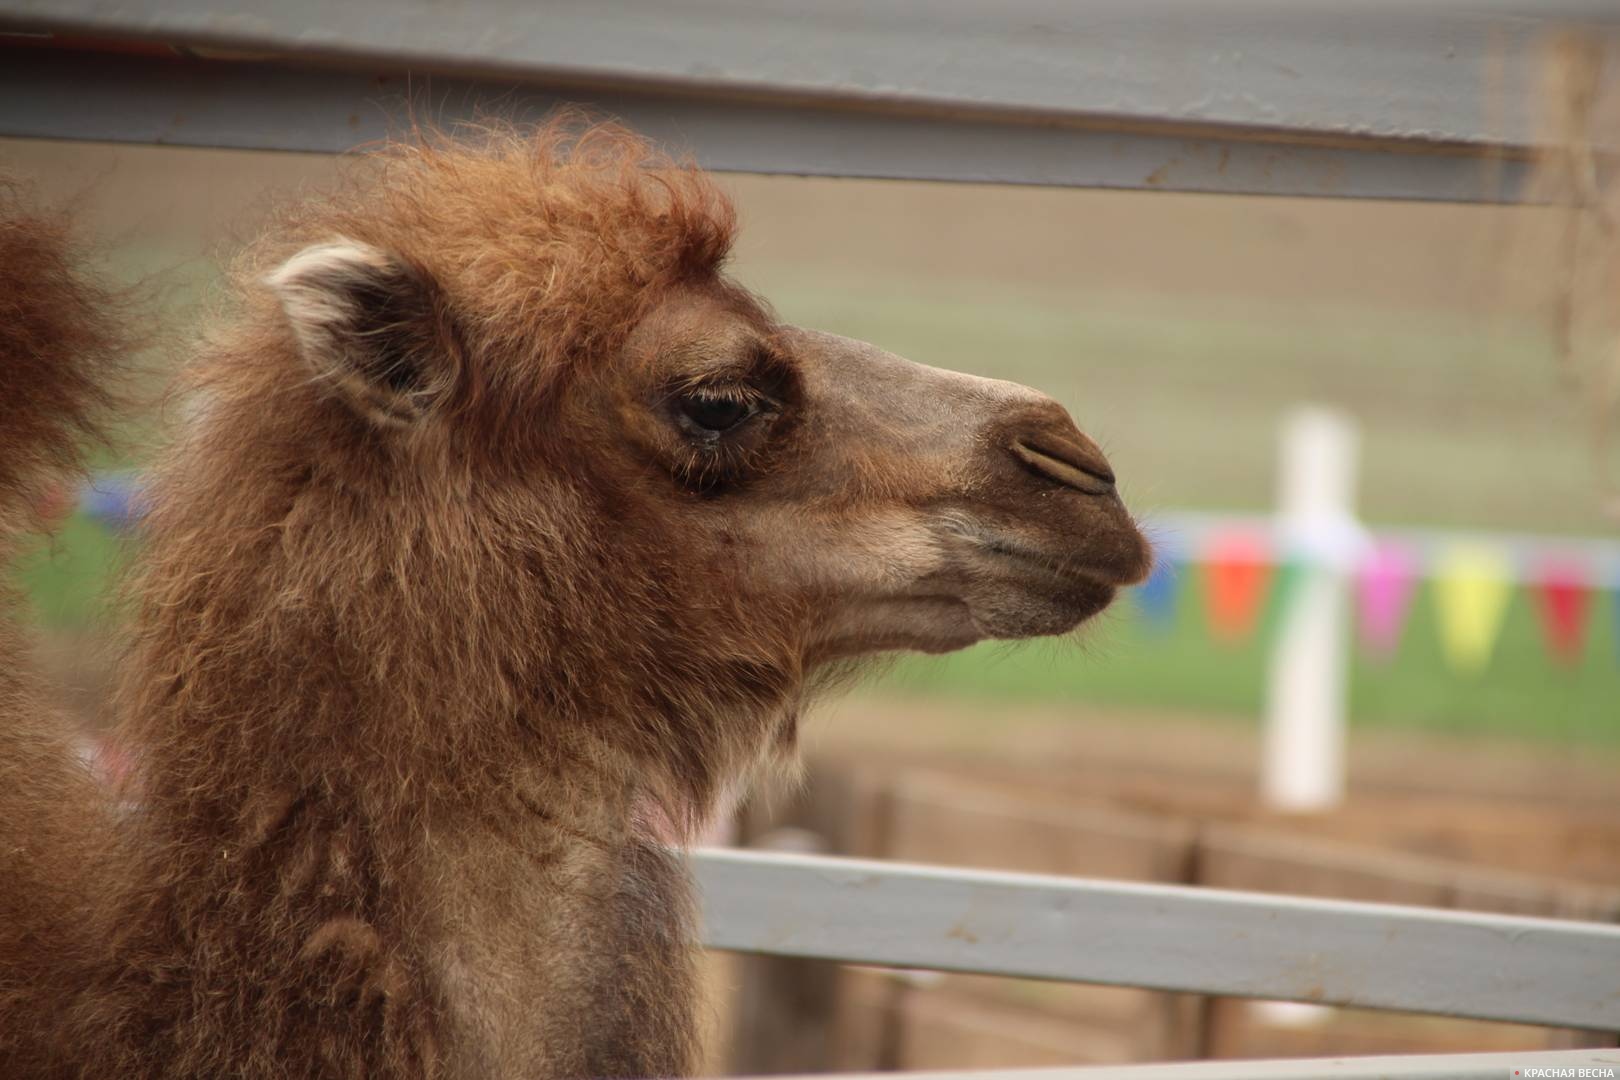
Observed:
{"x":1249,"y":570}
{"x":1247,"y":574}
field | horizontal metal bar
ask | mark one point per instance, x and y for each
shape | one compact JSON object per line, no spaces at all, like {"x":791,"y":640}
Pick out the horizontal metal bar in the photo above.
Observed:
{"x":1208,"y":941}
{"x":1432,"y":73}
{"x":53,"y":94}
{"x":1516,"y":1066}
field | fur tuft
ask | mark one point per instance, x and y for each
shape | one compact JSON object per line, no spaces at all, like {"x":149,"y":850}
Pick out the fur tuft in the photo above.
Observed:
{"x":61,"y":344}
{"x":399,"y":717}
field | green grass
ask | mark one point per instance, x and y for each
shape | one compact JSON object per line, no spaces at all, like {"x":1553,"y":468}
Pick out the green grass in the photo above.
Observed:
{"x":68,"y":577}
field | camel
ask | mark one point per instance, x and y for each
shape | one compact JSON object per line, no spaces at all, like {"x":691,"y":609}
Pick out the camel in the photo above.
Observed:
{"x":501,"y":546}
{"x":61,"y":347}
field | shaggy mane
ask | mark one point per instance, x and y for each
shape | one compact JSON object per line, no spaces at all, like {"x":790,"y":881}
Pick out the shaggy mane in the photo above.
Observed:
{"x":550,"y":243}
{"x":62,"y":341}
{"x":395,"y":714}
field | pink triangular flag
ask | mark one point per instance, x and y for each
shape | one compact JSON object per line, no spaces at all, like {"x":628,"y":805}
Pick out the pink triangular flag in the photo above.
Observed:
{"x":1384,"y":595}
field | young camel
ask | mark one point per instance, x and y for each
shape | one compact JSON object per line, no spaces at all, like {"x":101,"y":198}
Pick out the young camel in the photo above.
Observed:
{"x":60,"y":346}
{"x":503,"y":544}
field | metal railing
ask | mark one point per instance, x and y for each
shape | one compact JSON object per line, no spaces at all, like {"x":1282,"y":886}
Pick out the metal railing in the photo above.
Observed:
{"x":1177,"y":938}
{"x":1554,"y":1063}
{"x":1403,"y":101}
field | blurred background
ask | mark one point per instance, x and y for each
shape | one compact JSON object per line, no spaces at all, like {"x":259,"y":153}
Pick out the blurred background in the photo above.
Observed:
{"x":1480,"y":626}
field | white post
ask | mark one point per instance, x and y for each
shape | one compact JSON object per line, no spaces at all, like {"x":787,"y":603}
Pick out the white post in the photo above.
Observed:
{"x":1303,"y":766}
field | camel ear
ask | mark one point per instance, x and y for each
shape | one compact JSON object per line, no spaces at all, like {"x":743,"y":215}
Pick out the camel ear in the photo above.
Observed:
{"x":374,"y":327}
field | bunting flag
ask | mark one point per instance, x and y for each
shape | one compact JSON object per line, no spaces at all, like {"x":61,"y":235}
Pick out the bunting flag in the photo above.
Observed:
{"x":1384,"y":586}
{"x":1471,"y":597}
{"x":1286,"y":578}
{"x":1614,"y":606}
{"x":1156,"y":597}
{"x":1237,"y":573}
{"x":112,"y":500}
{"x":54,"y":504}
{"x":1565,"y":591}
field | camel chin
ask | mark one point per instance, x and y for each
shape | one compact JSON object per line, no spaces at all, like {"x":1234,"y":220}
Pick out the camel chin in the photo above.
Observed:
{"x":983,"y":591}
{"x":1015,"y":592}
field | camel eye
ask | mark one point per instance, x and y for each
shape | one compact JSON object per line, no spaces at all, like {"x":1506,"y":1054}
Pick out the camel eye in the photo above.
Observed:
{"x":712,"y":414}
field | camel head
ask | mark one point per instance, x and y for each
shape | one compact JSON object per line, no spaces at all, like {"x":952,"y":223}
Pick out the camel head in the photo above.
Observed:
{"x":570,"y":323}
{"x":498,"y":437}
{"x":915,"y":508}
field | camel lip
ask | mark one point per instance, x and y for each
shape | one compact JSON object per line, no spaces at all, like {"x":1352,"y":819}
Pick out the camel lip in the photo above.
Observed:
{"x":1066,"y":569}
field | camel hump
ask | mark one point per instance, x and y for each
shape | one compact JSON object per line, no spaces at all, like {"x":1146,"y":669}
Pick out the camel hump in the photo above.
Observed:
{"x":62,"y":341}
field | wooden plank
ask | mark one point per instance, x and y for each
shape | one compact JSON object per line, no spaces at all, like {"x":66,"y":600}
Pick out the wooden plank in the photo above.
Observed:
{"x":950,"y":819}
{"x":1259,"y":857}
{"x":1265,"y":858}
{"x":942,"y":1030}
{"x":946,"y":818}
{"x":788,"y":1012}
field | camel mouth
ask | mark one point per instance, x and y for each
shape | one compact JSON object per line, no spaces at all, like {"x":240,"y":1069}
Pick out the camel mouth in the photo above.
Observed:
{"x":1110,"y":570}
{"x":1015,"y":589}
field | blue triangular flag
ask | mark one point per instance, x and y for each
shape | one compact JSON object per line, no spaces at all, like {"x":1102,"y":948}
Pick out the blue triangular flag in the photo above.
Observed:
{"x":1156,"y":597}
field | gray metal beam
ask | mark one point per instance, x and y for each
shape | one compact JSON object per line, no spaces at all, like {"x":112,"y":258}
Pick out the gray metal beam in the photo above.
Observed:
{"x":263,"y":106}
{"x":1205,"y":941}
{"x":1419,"y":71}
{"x":1303,"y":98}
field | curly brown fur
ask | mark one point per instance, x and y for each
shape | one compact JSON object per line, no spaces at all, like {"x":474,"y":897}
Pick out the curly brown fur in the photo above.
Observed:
{"x":60,"y":344}
{"x":498,"y":548}
{"x":392,"y":732}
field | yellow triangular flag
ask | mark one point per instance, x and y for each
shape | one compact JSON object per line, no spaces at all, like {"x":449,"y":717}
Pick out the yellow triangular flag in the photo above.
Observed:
{"x":1471,"y":596}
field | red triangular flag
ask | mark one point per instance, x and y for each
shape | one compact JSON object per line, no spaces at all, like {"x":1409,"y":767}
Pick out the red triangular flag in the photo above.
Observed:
{"x":1236,"y":576}
{"x":1565,"y":595}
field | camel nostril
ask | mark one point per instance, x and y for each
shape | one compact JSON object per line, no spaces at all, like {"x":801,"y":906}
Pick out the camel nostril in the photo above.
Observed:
{"x":1071,"y":464}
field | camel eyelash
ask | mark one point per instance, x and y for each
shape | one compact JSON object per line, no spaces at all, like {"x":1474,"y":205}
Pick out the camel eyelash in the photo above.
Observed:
{"x":725,"y":428}
{"x":716,"y":467}
{"x":729,"y":421}
{"x":765,"y":381}
{"x":711,"y":411}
